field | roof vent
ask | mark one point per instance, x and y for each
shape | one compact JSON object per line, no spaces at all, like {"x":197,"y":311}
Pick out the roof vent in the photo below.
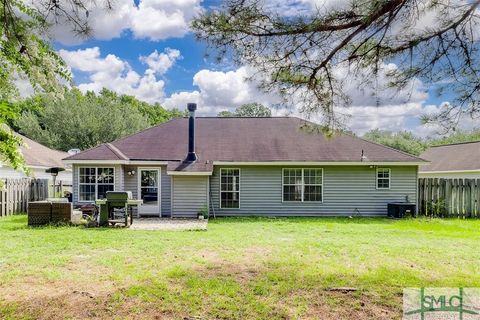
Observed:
{"x":363,"y":157}
{"x":73,"y":151}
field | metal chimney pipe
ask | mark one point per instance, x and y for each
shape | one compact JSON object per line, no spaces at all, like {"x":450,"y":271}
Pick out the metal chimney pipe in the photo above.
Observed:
{"x":191,"y":156}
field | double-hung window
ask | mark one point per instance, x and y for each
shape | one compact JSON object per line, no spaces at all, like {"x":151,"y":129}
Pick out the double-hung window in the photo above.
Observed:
{"x":95,"y":182}
{"x":302,"y":184}
{"x":383,"y":178}
{"x":229,"y":188}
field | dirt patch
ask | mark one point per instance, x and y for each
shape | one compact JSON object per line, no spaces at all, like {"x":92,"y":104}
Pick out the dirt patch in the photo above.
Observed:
{"x":325,"y":304}
{"x":99,"y":298}
{"x":321,"y":305}
{"x":82,"y":274}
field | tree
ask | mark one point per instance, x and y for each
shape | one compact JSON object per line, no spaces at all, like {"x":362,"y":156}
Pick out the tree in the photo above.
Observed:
{"x":253,"y":110}
{"x":457,"y":137}
{"x":25,"y":53}
{"x":155,"y":113}
{"x":403,"y":140}
{"x":408,"y":142}
{"x":311,"y":54}
{"x":9,"y":143}
{"x":226,"y":114}
{"x":86,"y":120}
{"x":248,"y":110}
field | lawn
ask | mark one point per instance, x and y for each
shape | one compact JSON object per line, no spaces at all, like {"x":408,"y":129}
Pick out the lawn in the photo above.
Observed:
{"x":250,"y":268}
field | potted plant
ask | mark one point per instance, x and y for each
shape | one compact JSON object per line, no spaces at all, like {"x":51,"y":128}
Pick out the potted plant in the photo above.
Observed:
{"x":203,"y":213}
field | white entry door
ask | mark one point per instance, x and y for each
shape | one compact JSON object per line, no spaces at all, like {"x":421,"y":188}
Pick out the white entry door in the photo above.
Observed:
{"x":149,"y":191}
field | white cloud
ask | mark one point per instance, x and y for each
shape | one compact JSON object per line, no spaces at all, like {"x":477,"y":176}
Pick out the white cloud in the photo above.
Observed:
{"x":116,"y":74}
{"x":367,"y":90}
{"x":219,"y":90}
{"x":148,"y":19}
{"x":290,"y":8}
{"x":179,"y":100}
{"x":161,"y":19}
{"x":227,"y":90}
{"x":385,"y":117}
{"x":24,"y":87}
{"x":161,"y":62}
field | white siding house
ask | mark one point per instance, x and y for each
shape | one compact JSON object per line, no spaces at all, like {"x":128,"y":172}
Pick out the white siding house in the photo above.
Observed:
{"x":38,"y":158}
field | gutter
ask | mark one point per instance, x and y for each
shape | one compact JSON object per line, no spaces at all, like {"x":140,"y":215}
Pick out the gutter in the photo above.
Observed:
{"x":318,"y":163}
{"x":125,"y":162}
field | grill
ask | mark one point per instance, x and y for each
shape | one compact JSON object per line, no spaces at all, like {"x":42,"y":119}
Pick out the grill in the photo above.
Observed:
{"x":119,"y":196}
{"x":117,"y":208}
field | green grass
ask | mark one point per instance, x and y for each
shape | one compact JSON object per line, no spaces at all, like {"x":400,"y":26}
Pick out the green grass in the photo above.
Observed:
{"x":241,"y":268}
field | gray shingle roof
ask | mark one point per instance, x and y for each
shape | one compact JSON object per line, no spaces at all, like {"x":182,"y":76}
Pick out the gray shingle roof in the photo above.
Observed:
{"x":452,"y":157}
{"x":36,"y":154}
{"x":244,"y":140}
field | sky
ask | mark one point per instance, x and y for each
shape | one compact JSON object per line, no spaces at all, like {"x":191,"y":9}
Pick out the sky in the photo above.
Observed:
{"x":144,"y":48}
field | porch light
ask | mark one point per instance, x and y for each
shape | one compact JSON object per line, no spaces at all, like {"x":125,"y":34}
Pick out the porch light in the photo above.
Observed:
{"x":131,"y":173}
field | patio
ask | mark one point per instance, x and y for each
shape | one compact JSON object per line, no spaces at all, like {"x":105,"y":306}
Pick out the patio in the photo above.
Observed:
{"x":166,"y":224}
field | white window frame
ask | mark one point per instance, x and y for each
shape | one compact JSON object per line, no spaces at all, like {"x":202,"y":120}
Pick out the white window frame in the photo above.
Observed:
{"x":220,"y":188}
{"x":389,"y":178}
{"x":302,"y":185}
{"x":96,"y":181}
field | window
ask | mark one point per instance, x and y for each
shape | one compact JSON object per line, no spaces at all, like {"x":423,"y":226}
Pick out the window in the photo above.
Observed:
{"x":229,"y":188}
{"x":383,"y":178}
{"x":95,"y":182}
{"x":302,"y":184}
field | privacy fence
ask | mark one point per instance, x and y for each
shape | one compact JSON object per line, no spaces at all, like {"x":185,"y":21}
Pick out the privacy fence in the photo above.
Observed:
{"x":449,"y":197}
{"x":16,"y":193}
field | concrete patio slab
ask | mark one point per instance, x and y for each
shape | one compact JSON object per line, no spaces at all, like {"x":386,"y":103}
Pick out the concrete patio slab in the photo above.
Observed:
{"x":167,"y":224}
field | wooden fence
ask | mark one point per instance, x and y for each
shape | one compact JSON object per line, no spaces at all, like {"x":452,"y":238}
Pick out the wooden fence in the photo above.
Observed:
{"x":16,"y":193}
{"x":449,"y":197}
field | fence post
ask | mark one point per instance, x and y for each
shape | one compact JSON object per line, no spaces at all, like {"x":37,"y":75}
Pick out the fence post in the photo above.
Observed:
{"x":421,"y":196}
{"x":448,"y":197}
{"x":476,"y":192}
{"x":468,"y":198}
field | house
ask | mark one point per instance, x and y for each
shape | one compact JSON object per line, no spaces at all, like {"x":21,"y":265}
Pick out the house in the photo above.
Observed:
{"x":458,"y":160}
{"x":38,"y":158}
{"x":246,"y":166}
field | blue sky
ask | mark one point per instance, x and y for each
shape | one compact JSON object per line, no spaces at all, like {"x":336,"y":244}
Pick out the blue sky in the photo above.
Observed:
{"x":179,"y":77}
{"x":174,"y":71}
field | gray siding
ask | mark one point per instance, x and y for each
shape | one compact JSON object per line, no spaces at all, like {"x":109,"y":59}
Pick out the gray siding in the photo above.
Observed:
{"x":190,"y":195}
{"x":347,"y":190}
{"x":119,"y":184}
{"x":131,"y":184}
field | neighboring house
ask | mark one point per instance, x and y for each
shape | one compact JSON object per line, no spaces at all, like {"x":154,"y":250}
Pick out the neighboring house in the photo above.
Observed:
{"x":246,"y":166}
{"x":459,"y":160}
{"x":38,"y":158}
